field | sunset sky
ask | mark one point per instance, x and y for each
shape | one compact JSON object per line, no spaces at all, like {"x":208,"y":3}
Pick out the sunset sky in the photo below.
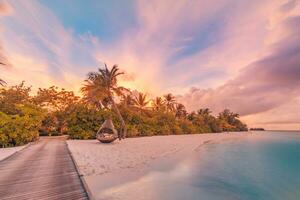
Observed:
{"x":238,"y":54}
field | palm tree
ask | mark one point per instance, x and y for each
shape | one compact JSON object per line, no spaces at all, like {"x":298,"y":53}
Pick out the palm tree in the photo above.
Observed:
{"x":180,"y":111}
{"x":158,"y":104}
{"x":170,"y":102}
{"x":228,"y":116}
{"x":205,"y":115}
{"x":93,"y":94}
{"x":205,"y":111}
{"x":127,"y":100}
{"x":2,"y":82}
{"x":140,"y":101}
{"x":103,"y":86}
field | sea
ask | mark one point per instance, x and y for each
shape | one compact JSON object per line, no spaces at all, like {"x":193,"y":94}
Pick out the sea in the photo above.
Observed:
{"x":267,"y":168}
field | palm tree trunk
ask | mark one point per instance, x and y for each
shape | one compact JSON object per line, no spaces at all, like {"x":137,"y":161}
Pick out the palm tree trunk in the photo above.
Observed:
{"x":121,"y":135}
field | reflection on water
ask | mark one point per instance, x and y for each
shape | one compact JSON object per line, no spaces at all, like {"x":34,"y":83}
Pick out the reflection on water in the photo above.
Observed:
{"x":245,"y":169}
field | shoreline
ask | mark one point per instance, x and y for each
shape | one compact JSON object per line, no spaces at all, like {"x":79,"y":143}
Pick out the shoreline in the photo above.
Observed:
{"x":104,"y":172}
{"x":9,"y":151}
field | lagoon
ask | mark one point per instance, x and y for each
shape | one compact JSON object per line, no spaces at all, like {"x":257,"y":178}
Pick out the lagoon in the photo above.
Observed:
{"x":246,"y":168}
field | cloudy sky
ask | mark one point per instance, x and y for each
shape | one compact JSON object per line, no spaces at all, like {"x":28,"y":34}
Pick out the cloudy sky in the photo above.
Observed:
{"x":237,"y":54}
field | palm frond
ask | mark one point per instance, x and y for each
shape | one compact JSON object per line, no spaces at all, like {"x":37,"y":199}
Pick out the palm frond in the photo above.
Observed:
{"x":141,"y":100}
{"x":2,"y":82}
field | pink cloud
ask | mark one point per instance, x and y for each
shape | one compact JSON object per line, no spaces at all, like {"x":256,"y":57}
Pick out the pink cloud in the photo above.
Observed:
{"x":41,"y":50}
{"x":263,"y":86}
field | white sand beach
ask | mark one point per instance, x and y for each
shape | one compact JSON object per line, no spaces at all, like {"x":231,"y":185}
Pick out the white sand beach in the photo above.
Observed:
{"x":6,"y":152}
{"x":106,"y":165}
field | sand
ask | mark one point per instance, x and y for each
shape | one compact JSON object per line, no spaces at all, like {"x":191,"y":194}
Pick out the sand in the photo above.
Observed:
{"x":6,"y":152}
{"x":106,"y":165}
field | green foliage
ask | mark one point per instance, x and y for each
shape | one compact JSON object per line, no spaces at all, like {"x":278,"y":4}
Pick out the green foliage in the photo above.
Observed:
{"x":229,"y":121}
{"x":49,"y":125}
{"x":140,"y":101}
{"x":83,"y":122}
{"x":20,"y":120}
{"x":188,"y":127}
{"x":21,"y":128}
{"x":11,"y":97}
{"x":58,"y":103}
{"x":55,"y":99}
{"x":55,"y":111}
{"x":156,"y":123}
{"x":205,"y":122}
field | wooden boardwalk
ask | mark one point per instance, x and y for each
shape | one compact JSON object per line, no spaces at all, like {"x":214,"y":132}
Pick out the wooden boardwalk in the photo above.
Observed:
{"x":44,"y":170}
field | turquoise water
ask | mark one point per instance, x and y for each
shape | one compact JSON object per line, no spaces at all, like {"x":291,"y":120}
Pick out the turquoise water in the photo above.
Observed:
{"x":263,"y":167}
{"x":266,"y":168}
{"x":249,"y":169}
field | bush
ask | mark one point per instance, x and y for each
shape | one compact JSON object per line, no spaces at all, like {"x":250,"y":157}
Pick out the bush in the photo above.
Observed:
{"x":49,"y":126}
{"x":132,"y":131}
{"x":20,"y":129}
{"x":145,"y":129}
{"x":77,"y":132}
{"x":83,"y":122}
{"x":188,"y":127}
{"x":175,"y":129}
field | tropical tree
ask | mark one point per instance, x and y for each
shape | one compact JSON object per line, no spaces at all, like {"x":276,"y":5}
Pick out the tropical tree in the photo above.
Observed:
{"x":127,"y":100}
{"x":103,"y":85}
{"x":158,"y":104}
{"x":204,"y":111}
{"x":208,"y":120}
{"x":140,"y":101}
{"x":54,"y":99}
{"x":205,"y":114}
{"x":180,"y":111}
{"x":230,"y":121}
{"x":93,"y":91}
{"x":228,"y":116}
{"x":2,"y":82}
{"x":12,"y":96}
{"x":170,"y":102}
{"x":58,"y":103}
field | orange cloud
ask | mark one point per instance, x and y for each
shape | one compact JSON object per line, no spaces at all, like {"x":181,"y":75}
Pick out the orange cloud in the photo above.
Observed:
{"x":5,"y":8}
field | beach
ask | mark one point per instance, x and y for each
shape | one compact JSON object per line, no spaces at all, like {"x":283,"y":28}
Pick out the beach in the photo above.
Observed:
{"x":106,"y":165}
{"x":6,"y":152}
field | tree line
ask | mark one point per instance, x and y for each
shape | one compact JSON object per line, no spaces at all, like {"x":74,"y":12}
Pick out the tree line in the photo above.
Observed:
{"x":55,"y":111}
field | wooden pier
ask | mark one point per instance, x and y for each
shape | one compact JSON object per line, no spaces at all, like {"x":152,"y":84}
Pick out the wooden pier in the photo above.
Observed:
{"x":44,"y":170}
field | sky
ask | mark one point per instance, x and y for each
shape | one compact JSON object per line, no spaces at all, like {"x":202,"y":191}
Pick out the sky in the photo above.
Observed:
{"x":238,"y":54}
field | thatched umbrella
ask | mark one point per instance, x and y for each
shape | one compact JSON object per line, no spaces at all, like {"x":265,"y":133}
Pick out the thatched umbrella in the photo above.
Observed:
{"x":107,"y":132}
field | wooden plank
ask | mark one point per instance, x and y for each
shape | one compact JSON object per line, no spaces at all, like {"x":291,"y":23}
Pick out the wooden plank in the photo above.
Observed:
{"x":44,"y":170}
